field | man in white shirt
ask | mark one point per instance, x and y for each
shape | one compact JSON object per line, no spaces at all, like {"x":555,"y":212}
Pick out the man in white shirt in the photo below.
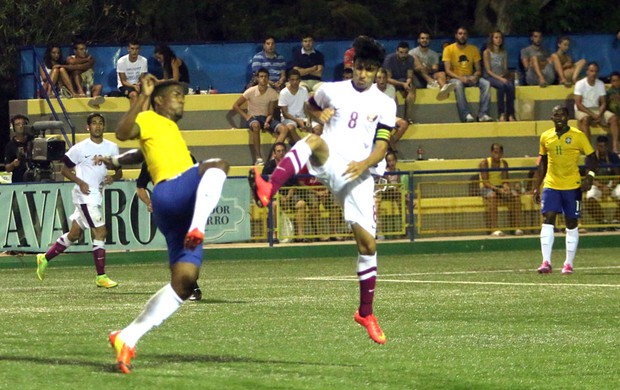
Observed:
{"x":591,"y":105}
{"x":291,"y":102}
{"x":89,"y":177}
{"x":129,"y":69}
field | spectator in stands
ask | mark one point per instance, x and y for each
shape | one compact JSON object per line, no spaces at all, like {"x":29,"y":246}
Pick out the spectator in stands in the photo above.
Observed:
{"x":591,"y":105}
{"x":129,"y":69}
{"x":496,"y":71}
{"x":568,"y":71}
{"x":291,"y":102}
{"x":55,"y":66}
{"x":17,"y":149}
{"x":269,"y":59}
{"x":496,"y":190}
{"x":426,"y":66}
{"x":347,"y":74}
{"x":310,"y":63}
{"x":604,"y":187}
{"x":381,"y":81}
{"x":261,"y":103}
{"x":350,"y":53}
{"x":387,"y":188}
{"x":399,"y":66}
{"x":462,"y":63}
{"x":174,"y":68}
{"x":536,"y":62}
{"x":613,"y":94}
{"x":81,"y":66}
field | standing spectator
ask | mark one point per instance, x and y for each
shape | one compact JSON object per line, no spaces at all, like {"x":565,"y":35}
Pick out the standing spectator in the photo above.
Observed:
{"x":536,"y":61}
{"x":310,"y":63}
{"x":558,"y":166}
{"x":399,"y":66}
{"x":426,"y":66}
{"x":604,"y":187}
{"x":18,"y":149}
{"x":613,"y":94}
{"x":591,"y":105}
{"x":496,"y":71}
{"x":174,"y":68}
{"x":495,"y":189}
{"x":275,"y":63}
{"x":568,"y":71}
{"x":358,"y":119}
{"x":81,"y":64}
{"x":89,"y":176}
{"x":129,"y":69}
{"x":56,"y":69}
{"x":291,"y":101}
{"x":261,"y":101}
{"x":462,"y":63}
{"x":381,"y":81}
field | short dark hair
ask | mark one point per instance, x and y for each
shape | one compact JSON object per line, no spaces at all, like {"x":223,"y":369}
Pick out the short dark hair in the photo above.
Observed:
{"x":92,"y":116}
{"x":403,"y":44}
{"x":293,"y":72}
{"x":262,"y":70}
{"x":602,"y":138}
{"x":494,"y":144}
{"x":560,"y":107}
{"x":614,"y":73}
{"x":162,"y":87}
{"x":19,"y":116}
{"x":593,"y":63}
{"x":370,"y":51}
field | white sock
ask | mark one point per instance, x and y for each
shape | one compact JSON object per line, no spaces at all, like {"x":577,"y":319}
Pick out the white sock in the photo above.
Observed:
{"x":64,"y":240}
{"x":366,"y":266}
{"x":98,"y":244}
{"x":161,"y":306}
{"x":207,"y":196}
{"x":572,"y":240}
{"x":546,"y":241}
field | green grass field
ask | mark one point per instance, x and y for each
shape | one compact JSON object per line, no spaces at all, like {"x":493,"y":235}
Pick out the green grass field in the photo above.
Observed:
{"x":482,"y":320}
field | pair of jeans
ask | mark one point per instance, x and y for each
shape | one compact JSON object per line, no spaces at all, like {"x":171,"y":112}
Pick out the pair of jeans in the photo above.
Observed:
{"x":505,"y":96}
{"x":461,"y":101}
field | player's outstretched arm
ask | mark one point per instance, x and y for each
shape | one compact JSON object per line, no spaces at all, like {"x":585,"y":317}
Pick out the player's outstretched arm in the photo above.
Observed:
{"x":127,"y":127}
{"x":133,"y":156}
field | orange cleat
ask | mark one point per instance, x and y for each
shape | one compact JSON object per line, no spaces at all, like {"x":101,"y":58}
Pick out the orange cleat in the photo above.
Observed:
{"x":261,"y":189}
{"x":194,"y":238}
{"x":124,"y":354}
{"x":372,"y":326}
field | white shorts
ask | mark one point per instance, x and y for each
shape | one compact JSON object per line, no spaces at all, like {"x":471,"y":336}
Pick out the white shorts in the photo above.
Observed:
{"x":355,"y":197}
{"x":87,"y":216}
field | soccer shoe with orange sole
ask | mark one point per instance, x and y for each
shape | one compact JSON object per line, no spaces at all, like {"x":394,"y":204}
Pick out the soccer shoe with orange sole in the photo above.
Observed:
{"x":105,"y":282}
{"x":261,"y":189}
{"x":124,"y":354}
{"x":372,"y":326}
{"x":194,"y":238}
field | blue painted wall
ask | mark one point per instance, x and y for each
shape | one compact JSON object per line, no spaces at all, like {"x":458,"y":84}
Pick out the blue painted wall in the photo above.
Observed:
{"x":225,"y":66}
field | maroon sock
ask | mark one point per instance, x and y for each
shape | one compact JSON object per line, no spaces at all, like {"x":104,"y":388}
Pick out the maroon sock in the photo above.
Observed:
{"x":55,"y":250}
{"x":284,"y":171}
{"x":367,"y":295}
{"x":99,"y":258}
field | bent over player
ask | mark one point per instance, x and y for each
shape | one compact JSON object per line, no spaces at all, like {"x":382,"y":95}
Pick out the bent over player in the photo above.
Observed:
{"x":89,"y":175}
{"x":560,"y":148}
{"x":183,"y":197}
{"x":358,"y":119}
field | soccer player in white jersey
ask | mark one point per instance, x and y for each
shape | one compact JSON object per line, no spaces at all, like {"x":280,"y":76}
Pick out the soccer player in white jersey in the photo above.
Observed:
{"x":89,"y":178}
{"x":358,"y":119}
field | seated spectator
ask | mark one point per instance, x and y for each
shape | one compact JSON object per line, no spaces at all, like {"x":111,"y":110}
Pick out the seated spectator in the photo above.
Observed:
{"x":17,"y":150}
{"x":462,"y":63}
{"x":292,"y":102}
{"x":613,"y":94}
{"x":129,"y":69}
{"x":536,"y":62}
{"x":55,"y":66}
{"x":399,"y":66}
{"x":347,"y":74}
{"x":310,"y":63}
{"x":496,"y":71}
{"x":495,"y":190}
{"x":387,"y":188}
{"x":426,"y":66}
{"x":381,"y":81}
{"x":269,"y":59}
{"x":174,"y":68}
{"x":591,"y":105}
{"x":568,"y":71}
{"x":261,"y":103}
{"x":604,"y":187}
{"x":81,"y":65}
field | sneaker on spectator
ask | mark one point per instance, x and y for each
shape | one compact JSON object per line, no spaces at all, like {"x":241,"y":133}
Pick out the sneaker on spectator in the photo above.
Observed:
{"x":445,"y":91}
{"x":485,"y":118}
{"x":433,"y":85}
{"x":497,"y":233}
{"x":259,"y":161}
{"x":518,"y":232}
{"x":469,"y":118}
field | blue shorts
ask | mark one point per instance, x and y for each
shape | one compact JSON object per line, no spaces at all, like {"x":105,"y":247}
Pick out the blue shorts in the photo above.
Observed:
{"x":567,"y":202}
{"x":173,"y":208}
{"x":273,"y":123}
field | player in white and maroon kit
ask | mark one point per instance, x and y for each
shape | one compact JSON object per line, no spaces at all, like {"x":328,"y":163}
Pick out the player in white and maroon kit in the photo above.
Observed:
{"x":358,"y":119}
{"x":89,"y":178}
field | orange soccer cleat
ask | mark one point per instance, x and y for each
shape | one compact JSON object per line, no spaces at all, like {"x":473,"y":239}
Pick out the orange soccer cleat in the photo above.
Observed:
{"x":261,"y":189}
{"x":124,"y":354}
{"x":372,"y":326}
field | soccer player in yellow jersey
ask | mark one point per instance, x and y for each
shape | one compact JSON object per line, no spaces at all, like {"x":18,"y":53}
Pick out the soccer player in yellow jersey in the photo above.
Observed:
{"x":560,"y":148}
{"x":183,"y":197}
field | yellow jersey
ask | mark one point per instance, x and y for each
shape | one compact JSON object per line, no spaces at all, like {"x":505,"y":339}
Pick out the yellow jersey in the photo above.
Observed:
{"x":164,"y":149}
{"x":563,"y":157}
{"x":462,"y":60}
{"x":495,"y":177}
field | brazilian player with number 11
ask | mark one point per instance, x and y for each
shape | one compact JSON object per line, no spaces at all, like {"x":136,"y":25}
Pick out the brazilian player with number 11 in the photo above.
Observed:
{"x":358,"y":119}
